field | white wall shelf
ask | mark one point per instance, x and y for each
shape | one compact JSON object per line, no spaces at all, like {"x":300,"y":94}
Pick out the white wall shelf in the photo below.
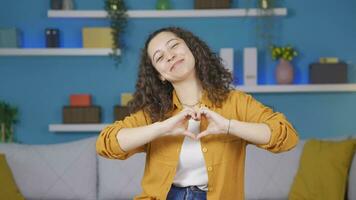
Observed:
{"x":252,"y":89}
{"x":55,"y":51}
{"x":253,"y":12}
{"x":76,"y":127}
{"x":349,"y":87}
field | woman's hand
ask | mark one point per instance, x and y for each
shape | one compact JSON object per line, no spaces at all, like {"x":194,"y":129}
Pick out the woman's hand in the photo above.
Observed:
{"x":177,"y":124}
{"x":217,"y":123}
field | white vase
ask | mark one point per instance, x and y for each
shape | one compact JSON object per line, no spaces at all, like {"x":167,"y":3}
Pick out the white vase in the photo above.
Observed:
{"x":68,"y":5}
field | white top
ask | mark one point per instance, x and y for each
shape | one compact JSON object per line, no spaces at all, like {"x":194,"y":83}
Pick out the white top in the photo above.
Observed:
{"x":191,"y":167}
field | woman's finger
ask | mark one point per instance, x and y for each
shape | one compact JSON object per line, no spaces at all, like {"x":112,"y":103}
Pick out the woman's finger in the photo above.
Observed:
{"x":205,"y":112}
{"x":202,"y":134}
{"x":184,"y":114}
{"x":189,"y":134}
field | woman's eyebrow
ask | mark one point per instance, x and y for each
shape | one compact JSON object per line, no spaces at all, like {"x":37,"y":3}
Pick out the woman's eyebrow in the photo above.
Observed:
{"x":171,"y":40}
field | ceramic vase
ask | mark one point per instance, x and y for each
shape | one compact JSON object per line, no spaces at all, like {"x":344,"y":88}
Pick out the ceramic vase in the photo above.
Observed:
{"x":284,"y":72}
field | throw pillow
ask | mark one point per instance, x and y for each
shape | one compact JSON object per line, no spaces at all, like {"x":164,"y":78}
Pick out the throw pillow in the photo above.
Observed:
{"x":323,"y":170}
{"x":8,"y":187}
{"x":352,"y":179}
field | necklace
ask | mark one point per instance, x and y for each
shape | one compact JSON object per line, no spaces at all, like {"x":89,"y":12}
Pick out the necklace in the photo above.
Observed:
{"x":191,"y":105}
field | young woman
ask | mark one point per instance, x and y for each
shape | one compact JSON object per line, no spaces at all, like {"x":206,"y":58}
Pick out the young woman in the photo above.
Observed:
{"x":192,"y":125}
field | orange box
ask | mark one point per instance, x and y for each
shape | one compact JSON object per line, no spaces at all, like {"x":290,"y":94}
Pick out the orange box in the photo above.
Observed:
{"x":80,"y":100}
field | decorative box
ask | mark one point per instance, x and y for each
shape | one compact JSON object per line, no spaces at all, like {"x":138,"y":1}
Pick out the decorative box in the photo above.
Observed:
{"x":326,"y":60}
{"x":97,"y":37}
{"x":10,"y":38}
{"x":212,"y":4}
{"x":125,"y":98}
{"x":120,"y":112}
{"x":79,"y":115}
{"x":80,"y":100}
{"x":52,"y":37}
{"x":328,"y":73}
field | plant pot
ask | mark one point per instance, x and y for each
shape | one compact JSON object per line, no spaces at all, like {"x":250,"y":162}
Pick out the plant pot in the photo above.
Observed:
{"x":3,"y":133}
{"x":264,"y":4}
{"x":284,"y":72}
{"x":163,"y":5}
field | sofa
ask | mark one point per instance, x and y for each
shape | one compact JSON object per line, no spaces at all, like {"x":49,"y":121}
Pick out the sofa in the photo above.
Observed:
{"x":73,"y":170}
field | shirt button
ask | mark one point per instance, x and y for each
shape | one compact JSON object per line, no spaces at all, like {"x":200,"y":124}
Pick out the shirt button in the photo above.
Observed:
{"x":210,"y":169}
{"x":205,"y":149}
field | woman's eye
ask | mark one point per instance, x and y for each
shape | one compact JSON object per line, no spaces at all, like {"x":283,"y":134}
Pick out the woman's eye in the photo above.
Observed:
{"x":176,"y":44}
{"x":159,"y":58}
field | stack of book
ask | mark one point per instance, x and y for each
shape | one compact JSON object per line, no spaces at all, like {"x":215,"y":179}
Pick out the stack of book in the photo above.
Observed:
{"x":10,"y":38}
{"x":121,"y":111}
{"x":81,"y":110}
{"x":212,"y":4}
{"x":328,"y":70}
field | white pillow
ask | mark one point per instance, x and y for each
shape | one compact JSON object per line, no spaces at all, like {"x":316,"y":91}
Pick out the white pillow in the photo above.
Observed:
{"x":54,"y":171}
{"x":120,"y":179}
{"x":269,"y":175}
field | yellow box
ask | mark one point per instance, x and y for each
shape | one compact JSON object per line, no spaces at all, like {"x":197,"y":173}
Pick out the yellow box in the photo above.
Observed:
{"x":125,"y":98}
{"x":97,"y":37}
{"x":326,"y":60}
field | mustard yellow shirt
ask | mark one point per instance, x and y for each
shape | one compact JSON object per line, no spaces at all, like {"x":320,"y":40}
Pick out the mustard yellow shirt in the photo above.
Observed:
{"x":224,"y":154}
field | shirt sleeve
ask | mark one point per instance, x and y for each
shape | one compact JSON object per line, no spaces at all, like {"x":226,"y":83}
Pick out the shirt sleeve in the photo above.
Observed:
{"x":107,"y":144}
{"x":283,"y":135}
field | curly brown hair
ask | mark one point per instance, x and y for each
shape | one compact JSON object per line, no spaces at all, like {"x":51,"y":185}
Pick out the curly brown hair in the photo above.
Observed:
{"x":155,"y":97}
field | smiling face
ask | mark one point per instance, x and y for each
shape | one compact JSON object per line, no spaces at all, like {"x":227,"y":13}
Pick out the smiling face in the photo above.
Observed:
{"x":171,"y":57}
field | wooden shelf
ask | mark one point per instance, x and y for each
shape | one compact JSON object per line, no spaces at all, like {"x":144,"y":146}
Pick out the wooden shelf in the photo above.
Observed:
{"x":76,"y":127}
{"x":55,"y":51}
{"x":350,"y":87}
{"x":253,"y":12}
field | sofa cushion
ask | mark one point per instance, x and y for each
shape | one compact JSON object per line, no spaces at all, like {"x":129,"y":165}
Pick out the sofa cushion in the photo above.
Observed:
{"x":120,"y":179}
{"x":54,"y":171}
{"x":352,"y":176}
{"x":352,"y":179}
{"x":269,"y":175}
{"x":8,"y":187}
{"x":323,"y":170}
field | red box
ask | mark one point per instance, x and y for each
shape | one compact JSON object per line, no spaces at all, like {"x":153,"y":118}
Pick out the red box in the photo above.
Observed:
{"x":80,"y":100}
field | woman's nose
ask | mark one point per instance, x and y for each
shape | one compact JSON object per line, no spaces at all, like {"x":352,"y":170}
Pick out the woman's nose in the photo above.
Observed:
{"x":170,"y":56}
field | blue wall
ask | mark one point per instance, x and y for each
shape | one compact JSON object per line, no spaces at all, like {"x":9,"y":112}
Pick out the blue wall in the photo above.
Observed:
{"x":40,"y":86}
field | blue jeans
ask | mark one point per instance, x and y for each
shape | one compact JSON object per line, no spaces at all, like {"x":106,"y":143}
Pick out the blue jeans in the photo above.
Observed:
{"x":186,"y":193}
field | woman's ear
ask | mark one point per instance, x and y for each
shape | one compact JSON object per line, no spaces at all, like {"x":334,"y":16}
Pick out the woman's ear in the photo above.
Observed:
{"x":163,"y":80}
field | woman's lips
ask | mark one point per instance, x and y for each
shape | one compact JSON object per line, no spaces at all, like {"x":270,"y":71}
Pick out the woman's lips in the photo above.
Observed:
{"x":176,"y":63}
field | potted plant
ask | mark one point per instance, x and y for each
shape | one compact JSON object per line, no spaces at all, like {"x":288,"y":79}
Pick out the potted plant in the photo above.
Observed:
{"x":163,"y":5}
{"x":117,"y":15}
{"x":284,"y":71}
{"x":266,"y":23}
{"x":8,"y":117}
